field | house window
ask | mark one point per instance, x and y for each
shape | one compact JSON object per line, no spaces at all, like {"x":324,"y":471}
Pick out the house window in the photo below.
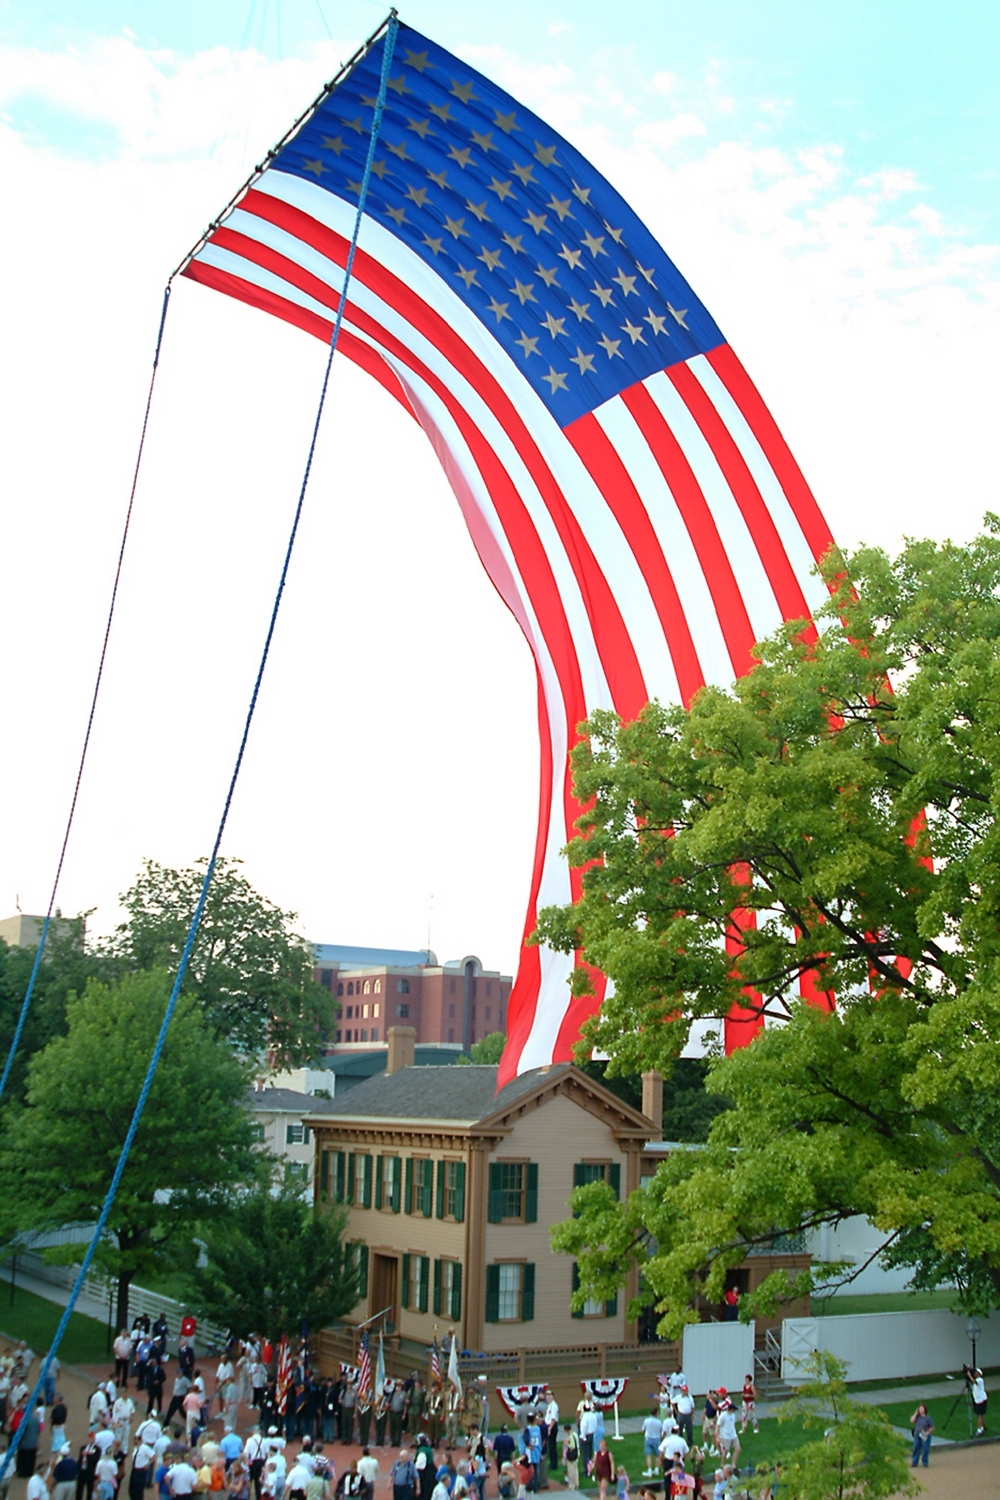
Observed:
{"x":592,"y":1308}
{"x":361,"y":1261}
{"x":402,"y":1011}
{"x":296,"y":1135}
{"x":378,"y":991}
{"x":360,"y":1174}
{"x":489,"y":988}
{"x":375,"y":1011}
{"x":451,"y":1033}
{"x":420,"y":1187}
{"x":416,"y":1282}
{"x":374,"y":1033}
{"x":350,"y":987}
{"x":368,"y":990}
{"x":388,"y":1176}
{"x":256,"y":1130}
{"x":402,"y":986}
{"x":350,"y":1011}
{"x":598,"y":1171}
{"x":510,"y":1292}
{"x":326,"y":979}
{"x":336,"y":1036}
{"x":451,"y":1190}
{"x":448,"y":1289}
{"x":513,"y":1192}
{"x":487,"y":1013}
{"x":451,"y":1013}
{"x":364,"y":1033}
{"x":340,"y":988}
{"x":364,"y":1011}
{"x":296,"y":1171}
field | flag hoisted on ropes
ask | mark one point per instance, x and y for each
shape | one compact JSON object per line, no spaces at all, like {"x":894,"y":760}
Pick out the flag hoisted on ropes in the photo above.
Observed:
{"x":364,"y":1390}
{"x":284,"y":1374}
{"x":627,"y":490}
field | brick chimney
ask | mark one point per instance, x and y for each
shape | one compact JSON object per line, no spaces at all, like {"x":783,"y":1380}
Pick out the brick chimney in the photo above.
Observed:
{"x":402,"y":1053}
{"x":652,"y":1100}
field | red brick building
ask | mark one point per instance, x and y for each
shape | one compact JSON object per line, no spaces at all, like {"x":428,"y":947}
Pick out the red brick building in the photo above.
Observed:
{"x":448,"y":1005}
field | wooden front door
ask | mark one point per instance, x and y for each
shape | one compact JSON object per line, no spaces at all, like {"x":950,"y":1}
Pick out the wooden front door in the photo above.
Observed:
{"x":385,"y":1290}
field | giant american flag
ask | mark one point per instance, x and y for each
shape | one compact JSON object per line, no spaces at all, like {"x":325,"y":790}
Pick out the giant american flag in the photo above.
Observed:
{"x":625,"y":486}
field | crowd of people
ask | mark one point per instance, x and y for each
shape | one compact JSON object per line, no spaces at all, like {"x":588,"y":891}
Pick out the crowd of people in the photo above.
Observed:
{"x":177,"y":1447}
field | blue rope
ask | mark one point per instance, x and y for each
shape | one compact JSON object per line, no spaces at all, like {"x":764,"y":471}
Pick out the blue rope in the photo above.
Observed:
{"x":392,"y":28}
{"x":93,"y":708}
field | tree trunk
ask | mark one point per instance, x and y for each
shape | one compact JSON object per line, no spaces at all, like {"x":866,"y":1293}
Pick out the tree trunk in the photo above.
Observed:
{"x":121,"y":1310}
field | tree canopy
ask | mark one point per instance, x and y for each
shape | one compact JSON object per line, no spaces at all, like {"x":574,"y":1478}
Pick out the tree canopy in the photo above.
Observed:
{"x":275,"y":1262}
{"x":251,"y":973}
{"x":858,"y":823}
{"x":489,"y":1049}
{"x":192,"y":1147}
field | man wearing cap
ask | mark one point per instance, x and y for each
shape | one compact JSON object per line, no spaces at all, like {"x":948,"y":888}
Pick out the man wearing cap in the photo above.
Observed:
{"x":64,"y":1472}
{"x":684,"y":1407}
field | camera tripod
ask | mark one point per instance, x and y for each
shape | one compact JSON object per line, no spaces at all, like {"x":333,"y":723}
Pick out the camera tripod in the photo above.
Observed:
{"x":965,"y":1392}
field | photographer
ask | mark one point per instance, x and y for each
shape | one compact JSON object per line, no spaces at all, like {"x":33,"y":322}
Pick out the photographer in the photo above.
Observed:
{"x":977,"y":1390}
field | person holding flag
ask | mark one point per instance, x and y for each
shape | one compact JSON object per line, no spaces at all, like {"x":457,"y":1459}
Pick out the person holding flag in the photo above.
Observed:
{"x":454,"y":1397}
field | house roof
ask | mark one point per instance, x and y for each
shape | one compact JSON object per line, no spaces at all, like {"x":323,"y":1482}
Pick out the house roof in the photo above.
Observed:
{"x":468,"y":1095}
{"x":287,"y":1102}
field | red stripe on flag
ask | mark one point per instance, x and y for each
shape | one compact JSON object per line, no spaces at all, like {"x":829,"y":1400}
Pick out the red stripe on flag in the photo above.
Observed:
{"x":777,"y":452}
{"x":700,"y":523}
{"x":609,"y":473}
{"x":619,"y":662}
{"x":760,"y":523}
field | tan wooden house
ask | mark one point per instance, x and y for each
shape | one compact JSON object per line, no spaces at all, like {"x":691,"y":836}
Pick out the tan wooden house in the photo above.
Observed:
{"x":452,"y":1187}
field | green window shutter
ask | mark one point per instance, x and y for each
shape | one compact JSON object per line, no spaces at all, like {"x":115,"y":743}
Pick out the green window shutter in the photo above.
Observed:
{"x":460,"y":1191}
{"x":576,"y":1288}
{"x":531,"y":1193}
{"x":406,"y":1281}
{"x":362,"y":1270}
{"x":425,"y":1278}
{"x":437,"y":1288}
{"x":611,"y":1307}
{"x":341,"y":1176}
{"x":615,"y":1178}
{"x":440,"y":1197}
{"x":409,"y":1184}
{"x":495,"y":1208}
{"x":369,"y":1172}
{"x":580,"y":1177}
{"x":456,"y":1293}
{"x":394,"y":1199}
{"x":528,"y":1293}
{"x":350,"y":1178}
{"x":379,"y":1170}
{"x":427,"y":1196}
{"x":493,"y":1292}
{"x":324,"y":1173}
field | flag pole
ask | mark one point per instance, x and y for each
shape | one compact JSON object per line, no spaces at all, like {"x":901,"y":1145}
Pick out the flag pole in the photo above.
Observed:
{"x":262,"y":166}
{"x":618,"y":1435}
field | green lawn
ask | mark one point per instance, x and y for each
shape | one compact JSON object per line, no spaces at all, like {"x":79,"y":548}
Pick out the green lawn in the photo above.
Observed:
{"x":35,"y":1320}
{"x":939,"y":1407}
{"x":775,"y":1438}
{"x":881,"y":1302}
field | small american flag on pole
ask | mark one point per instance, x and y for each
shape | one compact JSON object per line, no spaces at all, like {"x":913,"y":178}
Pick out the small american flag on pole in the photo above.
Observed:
{"x":628,"y":491}
{"x":284,"y":1376}
{"x":364,"y":1395}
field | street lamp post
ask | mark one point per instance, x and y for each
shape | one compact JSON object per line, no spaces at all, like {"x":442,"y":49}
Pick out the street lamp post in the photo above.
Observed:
{"x":973,"y":1331}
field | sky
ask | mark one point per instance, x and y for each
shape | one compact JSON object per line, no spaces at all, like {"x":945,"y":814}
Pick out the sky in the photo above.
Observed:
{"x":826,"y":179}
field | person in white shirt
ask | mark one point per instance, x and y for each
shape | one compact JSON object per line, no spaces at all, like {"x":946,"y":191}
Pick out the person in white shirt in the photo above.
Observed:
{"x":104,"y":1440}
{"x":552,"y":1424}
{"x":181,"y":1478}
{"x":122,"y":1413}
{"x":670,"y":1446}
{"x":123,"y":1348}
{"x":98,"y":1408}
{"x":148,"y":1432}
{"x":726,"y":1440}
{"x":106,"y":1477}
{"x":979,"y":1398}
{"x":588,"y":1427}
{"x":298,"y":1478}
{"x":684,"y":1407}
{"x":652,"y":1432}
{"x":368,"y":1467}
{"x":37,"y":1489}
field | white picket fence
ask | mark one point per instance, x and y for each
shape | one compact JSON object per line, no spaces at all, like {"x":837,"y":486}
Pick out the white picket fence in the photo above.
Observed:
{"x":140,"y":1301}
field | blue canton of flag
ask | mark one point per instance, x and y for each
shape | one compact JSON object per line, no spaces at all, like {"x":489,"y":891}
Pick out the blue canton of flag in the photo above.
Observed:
{"x":534,"y":240}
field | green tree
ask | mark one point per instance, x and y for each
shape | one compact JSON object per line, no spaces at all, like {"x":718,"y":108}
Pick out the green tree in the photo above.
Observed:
{"x":859,"y":826}
{"x":192,"y":1147}
{"x":855,"y":1454}
{"x":275,"y":1262}
{"x":489,"y":1049}
{"x":252,"y":974}
{"x":67,"y":964}
{"x":688,"y":1107}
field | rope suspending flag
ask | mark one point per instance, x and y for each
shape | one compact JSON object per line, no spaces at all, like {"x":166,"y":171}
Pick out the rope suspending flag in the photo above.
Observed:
{"x":624,"y":484}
